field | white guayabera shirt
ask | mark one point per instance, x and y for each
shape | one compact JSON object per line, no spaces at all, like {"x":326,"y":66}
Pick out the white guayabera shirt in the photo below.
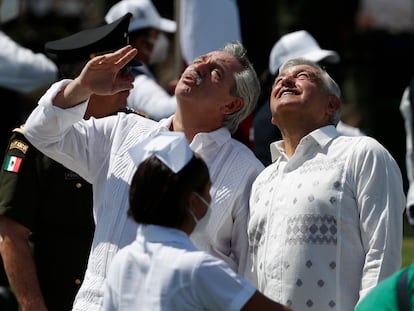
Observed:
{"x":97,"y":149}
{"x":326,"y":224}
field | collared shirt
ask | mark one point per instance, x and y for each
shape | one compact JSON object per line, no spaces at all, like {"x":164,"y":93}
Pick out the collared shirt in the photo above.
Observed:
{"x":326,"y":224}
{"x":162,"y":270}
{"x":233,"y":168}
{"x":97,"y":150}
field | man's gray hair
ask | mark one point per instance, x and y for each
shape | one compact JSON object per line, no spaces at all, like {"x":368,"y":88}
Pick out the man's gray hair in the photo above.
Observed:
{"x":247,"y":86}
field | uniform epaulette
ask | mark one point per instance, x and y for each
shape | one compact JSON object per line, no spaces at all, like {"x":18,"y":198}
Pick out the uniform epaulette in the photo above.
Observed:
{"x":19,"y":129}
{"x":140,"y":113}
{"x":130,"y":110}
{"x":16,"y":152}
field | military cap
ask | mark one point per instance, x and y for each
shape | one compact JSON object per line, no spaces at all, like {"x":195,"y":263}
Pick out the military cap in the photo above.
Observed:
{"x":88,"y":43}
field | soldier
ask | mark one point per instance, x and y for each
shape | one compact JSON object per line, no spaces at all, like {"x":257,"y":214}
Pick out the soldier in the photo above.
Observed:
{"x":46,"y":221}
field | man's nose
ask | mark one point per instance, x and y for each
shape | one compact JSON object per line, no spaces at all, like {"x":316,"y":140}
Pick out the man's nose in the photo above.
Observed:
{"x":200,"y":67}
{"x":288,"y":80}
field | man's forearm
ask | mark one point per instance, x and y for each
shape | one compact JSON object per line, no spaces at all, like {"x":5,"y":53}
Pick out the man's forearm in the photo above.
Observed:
{"x":20,"y":268}
{"x":73,"y":94}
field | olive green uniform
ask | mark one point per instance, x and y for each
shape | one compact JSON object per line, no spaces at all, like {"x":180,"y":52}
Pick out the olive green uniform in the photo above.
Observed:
{"x":56,"y":205}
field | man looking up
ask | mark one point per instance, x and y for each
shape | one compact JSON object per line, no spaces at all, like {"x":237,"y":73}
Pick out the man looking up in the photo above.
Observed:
{"x":214,"y":94}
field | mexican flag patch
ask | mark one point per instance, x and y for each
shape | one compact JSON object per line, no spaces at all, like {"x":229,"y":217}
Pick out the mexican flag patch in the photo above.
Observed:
{"x":12,"y":164}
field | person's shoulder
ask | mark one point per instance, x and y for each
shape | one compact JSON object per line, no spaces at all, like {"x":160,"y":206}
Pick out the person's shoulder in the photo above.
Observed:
{"x":202,"y":267}
{"x":129,"y":118}
{"x":245,"y":153}
{"x":123,"y":258}
{"x":18,"y":132}
{"x":348,"y":130}
{"x":370,"y":143}
{"x":361,"y":141}
{"x":191,"y":260}
{"x":128,"y":110}
{"x":17,"y":151}
{"x":364,"y":147}
{"x":18,"y":143}
{"x":265,"y":174}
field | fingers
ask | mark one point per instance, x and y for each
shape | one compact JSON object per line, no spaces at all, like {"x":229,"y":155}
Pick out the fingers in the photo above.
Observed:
{"x":126,"y":54}
{"x":118,"y":58}
{"x":123,"y":86}
{"x":101,"y":74}
{"x":124,"y":82}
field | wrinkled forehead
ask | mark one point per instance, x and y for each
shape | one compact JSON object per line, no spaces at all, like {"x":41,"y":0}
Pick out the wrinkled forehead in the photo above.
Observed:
{"x":224,"y":59}
{"x":294,"y":69}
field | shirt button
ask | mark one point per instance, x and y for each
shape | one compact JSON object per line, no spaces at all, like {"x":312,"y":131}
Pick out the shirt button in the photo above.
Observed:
{"x":78,"y":185}
{"x":77,"y":282}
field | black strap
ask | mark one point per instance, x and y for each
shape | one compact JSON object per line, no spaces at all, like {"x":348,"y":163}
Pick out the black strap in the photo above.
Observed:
{"x":403,"y":292}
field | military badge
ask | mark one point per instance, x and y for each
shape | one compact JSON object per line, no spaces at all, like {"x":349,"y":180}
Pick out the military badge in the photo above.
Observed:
{"x":12,"y":164}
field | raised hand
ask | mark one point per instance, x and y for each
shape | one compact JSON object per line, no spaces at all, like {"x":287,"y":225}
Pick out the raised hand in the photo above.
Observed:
{"x":100,"y":75}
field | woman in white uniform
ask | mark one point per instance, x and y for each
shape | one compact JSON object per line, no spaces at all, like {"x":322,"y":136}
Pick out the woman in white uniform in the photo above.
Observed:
{"x":161,"y":269}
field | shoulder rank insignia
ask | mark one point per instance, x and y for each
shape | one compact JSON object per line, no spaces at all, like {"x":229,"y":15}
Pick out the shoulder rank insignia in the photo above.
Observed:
{"x":130,"y":110}
{"x":19,"y":145}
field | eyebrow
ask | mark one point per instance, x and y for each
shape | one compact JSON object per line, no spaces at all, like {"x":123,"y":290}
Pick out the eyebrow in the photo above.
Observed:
{"x":312,"y":74}
{"x":220,"y":63}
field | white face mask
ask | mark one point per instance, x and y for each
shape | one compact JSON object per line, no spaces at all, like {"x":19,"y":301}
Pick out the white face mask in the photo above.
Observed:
{"x":201,"y":224}
{"x":160,"y":51}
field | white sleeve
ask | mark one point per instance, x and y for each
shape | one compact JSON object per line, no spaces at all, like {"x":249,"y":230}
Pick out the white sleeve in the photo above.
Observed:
{"x":218,"y":287}
{"x":21,"y":69}
{"x":66,"y":137}
{"x":381,"y":202}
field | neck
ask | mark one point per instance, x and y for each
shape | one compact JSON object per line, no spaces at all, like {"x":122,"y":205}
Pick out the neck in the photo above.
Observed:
{"x":178,"y":126}
{"x":190,"y":125}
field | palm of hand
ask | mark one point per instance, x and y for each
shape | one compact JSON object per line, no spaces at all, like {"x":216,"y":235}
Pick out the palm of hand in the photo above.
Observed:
{"x":100,"y":75}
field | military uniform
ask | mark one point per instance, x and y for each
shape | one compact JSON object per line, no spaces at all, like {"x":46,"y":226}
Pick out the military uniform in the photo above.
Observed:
{"x":56,"y":205}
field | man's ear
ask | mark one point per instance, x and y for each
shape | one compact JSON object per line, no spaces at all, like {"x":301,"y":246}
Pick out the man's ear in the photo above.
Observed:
{"x":193,"y":204}
{"x":235,"y":105}
{"x":333,"y":105}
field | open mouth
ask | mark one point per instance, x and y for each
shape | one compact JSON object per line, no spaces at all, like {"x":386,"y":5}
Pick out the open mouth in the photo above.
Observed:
{"x":288,"y":92}
{"x":193,"y":74}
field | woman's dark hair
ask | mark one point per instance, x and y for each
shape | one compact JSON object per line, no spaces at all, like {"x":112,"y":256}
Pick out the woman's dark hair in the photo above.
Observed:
{"x":158,"y":195}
